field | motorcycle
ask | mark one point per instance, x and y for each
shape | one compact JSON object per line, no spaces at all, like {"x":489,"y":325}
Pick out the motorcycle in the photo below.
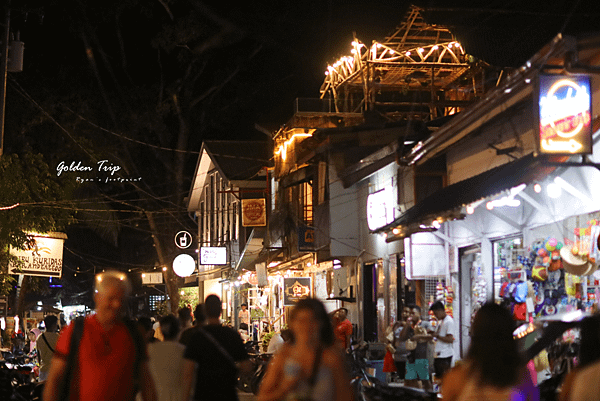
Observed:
{"x":250,"y":382}
{"x":368,"y":388}
{"x":18,"y":378}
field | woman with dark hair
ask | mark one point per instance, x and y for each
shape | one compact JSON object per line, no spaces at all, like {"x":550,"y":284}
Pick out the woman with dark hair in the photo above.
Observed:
{"x":493,"y":370}
{"x":166,"y":361}
{"x":309,"y":366}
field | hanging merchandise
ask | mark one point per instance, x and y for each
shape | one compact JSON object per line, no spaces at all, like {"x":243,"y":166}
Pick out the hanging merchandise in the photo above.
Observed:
{"x":576,"y":262}
{"x":539,"y":273}
{"x":449,"y":300}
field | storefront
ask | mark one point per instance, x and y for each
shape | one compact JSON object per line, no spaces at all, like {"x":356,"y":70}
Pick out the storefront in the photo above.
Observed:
{"x":518,"y":222}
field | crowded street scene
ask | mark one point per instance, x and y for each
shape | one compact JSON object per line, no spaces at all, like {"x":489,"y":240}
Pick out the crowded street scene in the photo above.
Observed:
{"x":300,"y":201}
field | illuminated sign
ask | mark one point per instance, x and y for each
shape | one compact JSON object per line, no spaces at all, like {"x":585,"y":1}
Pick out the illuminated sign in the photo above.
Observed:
{"x":153,"y":278}
{"x":564,"y":116}
{"x":295,"y":289}
{"x":381,"y":208}
{"x":213,"y":255}
{"x":45,"y":258}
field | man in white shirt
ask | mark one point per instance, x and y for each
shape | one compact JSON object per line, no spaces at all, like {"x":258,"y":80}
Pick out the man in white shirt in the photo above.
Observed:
{"x":444,"y":336}
{"x":244,"y":315}
{"x":45,"y":344}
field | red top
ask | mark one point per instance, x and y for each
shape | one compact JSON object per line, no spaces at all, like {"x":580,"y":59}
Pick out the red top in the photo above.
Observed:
{"x":105,"y":365}
{"x":341,"y":330}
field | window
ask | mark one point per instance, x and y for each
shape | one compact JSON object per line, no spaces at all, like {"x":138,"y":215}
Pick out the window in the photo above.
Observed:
{"x":306,"y":204}
{"x":155,"y":301}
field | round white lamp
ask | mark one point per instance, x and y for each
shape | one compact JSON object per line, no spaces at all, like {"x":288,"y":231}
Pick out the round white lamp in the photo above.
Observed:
{"x":184,"y":265}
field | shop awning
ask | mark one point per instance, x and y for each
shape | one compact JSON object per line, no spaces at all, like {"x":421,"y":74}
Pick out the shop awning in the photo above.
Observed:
{"x":450,"y":200}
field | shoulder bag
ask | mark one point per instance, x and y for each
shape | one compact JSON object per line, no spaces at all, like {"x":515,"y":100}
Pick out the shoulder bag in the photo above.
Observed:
{"x":76,"y":335}
{"x":218,"y":346}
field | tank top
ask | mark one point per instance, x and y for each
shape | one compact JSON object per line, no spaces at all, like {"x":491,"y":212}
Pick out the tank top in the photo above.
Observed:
{"x":322,"y":390}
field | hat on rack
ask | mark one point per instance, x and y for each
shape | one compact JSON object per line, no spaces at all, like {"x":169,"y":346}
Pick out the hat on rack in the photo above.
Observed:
{"x":574,"y":263}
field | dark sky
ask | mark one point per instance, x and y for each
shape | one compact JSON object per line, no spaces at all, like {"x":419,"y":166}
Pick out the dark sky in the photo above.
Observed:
{"x":299,"y":38}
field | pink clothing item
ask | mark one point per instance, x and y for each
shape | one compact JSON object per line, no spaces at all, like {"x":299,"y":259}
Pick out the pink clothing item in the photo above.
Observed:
{"x":37,"y":332}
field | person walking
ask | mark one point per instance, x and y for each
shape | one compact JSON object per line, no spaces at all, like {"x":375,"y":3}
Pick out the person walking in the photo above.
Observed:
{"x":146,"y":326}
{"x":185,"y":318}
{"x":199,"y":319}
{"x":216,"y":353}
{"x":444,"y":340}
{"x":310,"y":366}
{"x":166,"y":361}
{"x":493,"y":369}
{"x":110,"y":359}
{"x":45,"y":344}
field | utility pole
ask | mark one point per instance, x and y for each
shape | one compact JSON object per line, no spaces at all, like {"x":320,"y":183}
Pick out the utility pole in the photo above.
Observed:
{"x":4,"y":73}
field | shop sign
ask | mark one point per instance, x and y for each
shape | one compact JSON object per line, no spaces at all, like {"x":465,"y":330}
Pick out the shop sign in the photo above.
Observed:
{"x":183,"y":240}
{"x":45,"y":258}
{"x":254,"y":212}
{"x":152,"y":278}
{"x":295,"y":289}
{"x":381,"y":208}
{"x":306,"y":238}
{"x":564,"y":114}
{"x":213,"y":255}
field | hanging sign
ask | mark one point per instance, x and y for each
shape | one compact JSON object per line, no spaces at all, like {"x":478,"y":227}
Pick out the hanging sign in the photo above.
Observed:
{"x":45,"y":258}
{"x":183,"y":239}
{"x":152,"y":278}
{"x":295,"y":289}
{"x":564,"y":114}
{"x":306,"y":238}
{"x":254,"y":212}
{"x":213,"y":255}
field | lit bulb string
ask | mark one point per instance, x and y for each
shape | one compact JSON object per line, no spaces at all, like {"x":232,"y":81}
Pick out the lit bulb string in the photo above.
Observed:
{"x":10,"y":207}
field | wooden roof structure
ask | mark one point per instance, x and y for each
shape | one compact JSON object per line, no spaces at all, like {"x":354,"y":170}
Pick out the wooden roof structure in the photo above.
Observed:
{"x":421,"y":69}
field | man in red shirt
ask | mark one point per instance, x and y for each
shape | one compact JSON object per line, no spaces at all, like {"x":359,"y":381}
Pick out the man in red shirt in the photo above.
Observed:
{"x":343,"y":329}
{"x":106,"y":359}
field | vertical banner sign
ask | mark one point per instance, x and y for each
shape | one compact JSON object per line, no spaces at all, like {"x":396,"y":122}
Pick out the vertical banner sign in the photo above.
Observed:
{"x":254,"y":212}
{"x":564,"y":114}
{"x":44,"y":259}
{"x":295,"y":289}
{"x":306,"y":239}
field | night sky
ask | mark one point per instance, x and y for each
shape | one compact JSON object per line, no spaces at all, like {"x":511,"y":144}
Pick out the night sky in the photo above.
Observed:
{"x":293,"y":41}
{"x":270,"y":53}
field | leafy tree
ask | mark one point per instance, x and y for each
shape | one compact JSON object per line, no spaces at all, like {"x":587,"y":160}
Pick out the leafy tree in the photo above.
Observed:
{"x":32,"y":201}
{"x":141,"y":84}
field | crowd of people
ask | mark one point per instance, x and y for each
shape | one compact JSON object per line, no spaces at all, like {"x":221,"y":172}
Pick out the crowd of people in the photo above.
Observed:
{"x":194,"y":356}
{"x":189,"y":356}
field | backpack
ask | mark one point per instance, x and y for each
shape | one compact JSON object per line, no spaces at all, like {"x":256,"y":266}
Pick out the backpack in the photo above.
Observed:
{"x":78,"y":326}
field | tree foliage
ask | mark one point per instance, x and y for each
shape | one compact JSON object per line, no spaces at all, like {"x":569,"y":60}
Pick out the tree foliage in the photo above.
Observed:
{"x":32,"y":201}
